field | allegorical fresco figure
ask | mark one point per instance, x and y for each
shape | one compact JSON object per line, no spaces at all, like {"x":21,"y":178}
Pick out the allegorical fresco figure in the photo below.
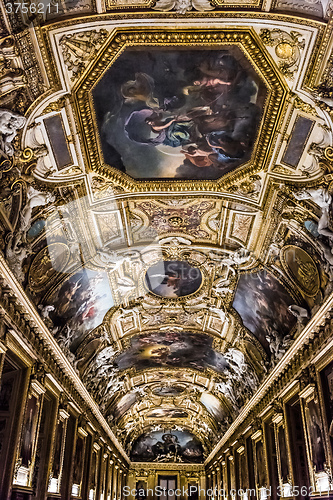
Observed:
{"x":178,"y":113}
{"x":178,"y":446}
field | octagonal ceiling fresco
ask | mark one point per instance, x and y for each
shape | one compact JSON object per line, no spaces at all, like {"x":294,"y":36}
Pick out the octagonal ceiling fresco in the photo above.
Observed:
{"x":181,"y":114}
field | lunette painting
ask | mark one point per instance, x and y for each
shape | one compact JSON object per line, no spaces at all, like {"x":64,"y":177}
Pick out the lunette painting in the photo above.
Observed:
{"x":178,"y":113}
{"x":175,"y":446}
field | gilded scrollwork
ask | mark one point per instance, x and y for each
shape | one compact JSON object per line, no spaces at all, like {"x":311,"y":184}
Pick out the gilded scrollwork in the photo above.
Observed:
{"x":287,"y":46}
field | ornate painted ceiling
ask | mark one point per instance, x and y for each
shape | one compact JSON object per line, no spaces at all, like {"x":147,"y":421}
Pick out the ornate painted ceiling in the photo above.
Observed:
{"x":166,"y":195}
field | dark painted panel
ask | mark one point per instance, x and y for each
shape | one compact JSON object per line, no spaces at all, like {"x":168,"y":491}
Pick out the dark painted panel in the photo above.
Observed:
{"x":297,"y":142}
{"x":56,"y":133}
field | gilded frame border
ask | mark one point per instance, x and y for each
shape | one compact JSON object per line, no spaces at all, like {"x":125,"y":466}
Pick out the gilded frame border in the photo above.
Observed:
{"x":245,"y":39}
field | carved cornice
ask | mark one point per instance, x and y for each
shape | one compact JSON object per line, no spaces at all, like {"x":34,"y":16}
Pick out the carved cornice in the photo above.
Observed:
{"x":137,"y":466}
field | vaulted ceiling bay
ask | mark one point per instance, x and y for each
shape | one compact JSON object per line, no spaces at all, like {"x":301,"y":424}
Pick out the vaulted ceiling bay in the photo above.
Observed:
{"x":166,"y":249}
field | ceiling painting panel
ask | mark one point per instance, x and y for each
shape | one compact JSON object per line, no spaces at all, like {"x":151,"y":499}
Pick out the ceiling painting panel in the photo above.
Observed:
{"x":262,"y":302}
{"x":177,"y":113}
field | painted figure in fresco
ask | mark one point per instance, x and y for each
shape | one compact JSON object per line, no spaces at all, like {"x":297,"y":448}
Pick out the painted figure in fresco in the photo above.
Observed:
{"x":173,"y":279}
{"x":35,"y":198}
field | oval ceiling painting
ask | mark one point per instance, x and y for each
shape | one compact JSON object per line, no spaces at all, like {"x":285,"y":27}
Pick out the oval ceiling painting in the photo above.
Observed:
{"x":173,"y":279}
{"x":179,"y":114}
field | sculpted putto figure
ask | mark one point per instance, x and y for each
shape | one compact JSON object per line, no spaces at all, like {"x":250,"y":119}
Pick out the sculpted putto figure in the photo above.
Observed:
{"x":35,"y":198}
{"x":113,"y":259}
{"x":10,"y":124}
{"x":100,"y":366}
{"x":237,"y":258}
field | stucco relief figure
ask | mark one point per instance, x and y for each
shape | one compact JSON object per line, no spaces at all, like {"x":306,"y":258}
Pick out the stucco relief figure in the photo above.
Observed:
{"x":240,"y":381}
{"x":278,"y":345}
{"x":242,"y":370}
{"x":183,"y":6}
{"x":301,"y":315}
{"x":101,"y":377}
{"x":113,"y":259}
{"x":178,"y":446}
{"x":16,"y":255}
{"x":237,"y":258}
{"x":35,"y":198}
{"x":17,"y":247}
{"x":99,"y":366}
{"x":323,"y":199}
{"x":10,"y":124}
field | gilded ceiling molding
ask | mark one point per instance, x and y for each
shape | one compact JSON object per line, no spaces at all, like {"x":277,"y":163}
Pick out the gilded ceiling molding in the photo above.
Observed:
{"x":138,"y":466}
{"x":322,"y":57}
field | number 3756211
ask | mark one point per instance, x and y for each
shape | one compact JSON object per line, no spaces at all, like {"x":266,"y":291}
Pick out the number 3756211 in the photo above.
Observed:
{"x":31,"y":8}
